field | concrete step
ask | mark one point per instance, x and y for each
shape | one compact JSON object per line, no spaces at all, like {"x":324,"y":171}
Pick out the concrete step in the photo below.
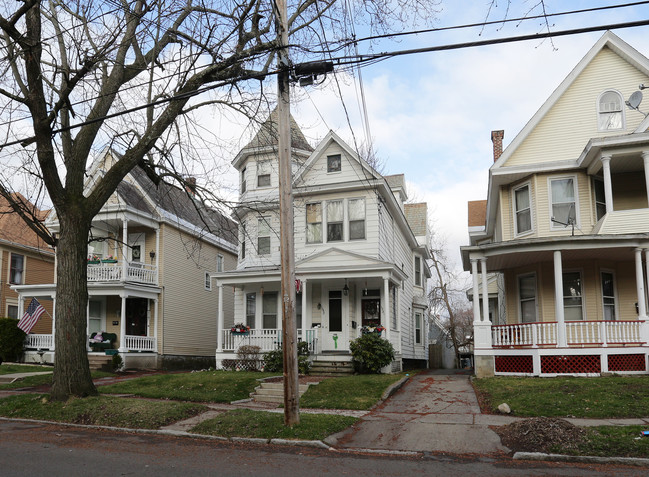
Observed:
{"x":100,"y":362}
{"x":274,"y":392}
{"x":332,"y":368}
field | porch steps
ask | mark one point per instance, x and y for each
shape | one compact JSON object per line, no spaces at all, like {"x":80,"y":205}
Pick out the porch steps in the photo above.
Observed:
{"x":331,"y":368}
{"x":100,"y":362}
{"x":273,"y":392}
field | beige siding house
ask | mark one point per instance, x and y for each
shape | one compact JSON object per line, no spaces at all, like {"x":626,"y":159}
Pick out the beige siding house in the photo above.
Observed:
{"x":360,"y":253}
{"x":151,"y":254}
{"x":566,"y":228}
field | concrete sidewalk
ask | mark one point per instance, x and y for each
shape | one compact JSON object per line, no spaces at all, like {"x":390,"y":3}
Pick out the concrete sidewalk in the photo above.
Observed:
{"x":431,"y":413}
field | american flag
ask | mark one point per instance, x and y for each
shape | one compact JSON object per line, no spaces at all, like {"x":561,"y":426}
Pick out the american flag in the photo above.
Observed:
{"x":31,"y":316}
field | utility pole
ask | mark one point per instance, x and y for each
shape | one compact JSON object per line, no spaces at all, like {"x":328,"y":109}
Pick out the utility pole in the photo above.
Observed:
{"x":289,"y":330}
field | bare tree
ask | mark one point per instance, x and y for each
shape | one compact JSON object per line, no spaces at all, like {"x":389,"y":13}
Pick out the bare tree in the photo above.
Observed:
{"x":81,"y":75}
{"x":446,"y":298}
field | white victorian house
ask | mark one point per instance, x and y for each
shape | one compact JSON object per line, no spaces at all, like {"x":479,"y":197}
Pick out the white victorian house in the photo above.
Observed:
{"x":360,"y":253}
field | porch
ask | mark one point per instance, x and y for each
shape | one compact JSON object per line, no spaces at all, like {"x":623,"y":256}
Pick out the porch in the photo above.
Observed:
{"x":122,"y":271}
{"x":268,"y":340}
{"x":45,"y":342}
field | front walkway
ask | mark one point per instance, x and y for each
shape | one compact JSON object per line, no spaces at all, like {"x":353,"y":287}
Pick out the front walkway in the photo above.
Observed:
{"x":433,"y":412}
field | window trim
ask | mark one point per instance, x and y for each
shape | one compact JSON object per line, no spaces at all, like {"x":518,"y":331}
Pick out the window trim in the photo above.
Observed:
{"x":270,"y":180}
{"x":527,"y":184}
{"x":420,"y":328}
{"x":276,"y":313}
{"x":418,"y":276}
{"x":615,"y":293}
{"x":220,"y":263}
{"x":11,"y":303}
{"x":600,"y":112}
{"x":252,"y":297}
{"x":208,"y":281}
{"x":519,"y":300}
{"x":340,"y":163}
{"x":341,"y":221}
{"x":575,"y":186}
{"x":12,"y":270}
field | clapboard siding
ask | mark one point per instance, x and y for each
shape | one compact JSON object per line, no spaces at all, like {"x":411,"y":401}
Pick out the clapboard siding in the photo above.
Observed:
{"x":572,"y":120}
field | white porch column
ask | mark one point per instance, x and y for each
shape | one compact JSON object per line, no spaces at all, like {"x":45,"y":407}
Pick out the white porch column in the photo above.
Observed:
{"x":646,"y":257}
{"x":639,"y":283}
{"x":157,"y":255}
{"x":558,"y":301}
{"x":645,"y":158}
{"x":306,"y":316}
{"x":122,"y":325}
{"x":221,"y":321}
{"x":608,"y":188}
{"x":485,"y":291}
{"x":124,"y":248}
{"x":155,"y":325}
{"x":476,"y":291}
{"x":385,"y":305}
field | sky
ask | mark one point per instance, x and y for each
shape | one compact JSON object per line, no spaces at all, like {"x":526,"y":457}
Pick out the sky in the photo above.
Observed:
{"x":431,"y":114}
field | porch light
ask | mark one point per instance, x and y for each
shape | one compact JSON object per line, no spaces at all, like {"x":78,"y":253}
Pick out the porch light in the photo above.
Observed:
{"x":346,"y":288}
{"x":152,"y":255}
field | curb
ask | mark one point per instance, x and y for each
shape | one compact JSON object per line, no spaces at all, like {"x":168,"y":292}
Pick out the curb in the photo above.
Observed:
{"x":584,"y":459}
{"x":394,"y":387}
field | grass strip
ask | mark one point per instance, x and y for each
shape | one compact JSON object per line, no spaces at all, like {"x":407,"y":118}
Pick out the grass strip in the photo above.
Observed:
{"x":358,"y":392}
{"x":606,"y":441}
{"x":270,"y":425}
{"x":202,"y":386}
{"x":99,"y":410}
{"x":43,"y":379}
{"x":21,"y":368}
{"x":593,"y":397}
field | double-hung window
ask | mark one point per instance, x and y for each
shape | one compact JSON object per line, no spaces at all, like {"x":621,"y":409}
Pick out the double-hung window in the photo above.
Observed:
{"x":356,"y":212}
{"x":335,"y":217}
{"x":522,"y":209}
{"x":269,"y":310}
{"x":418,"y":270}
{"x":208,"y":281}
{"x":17,"y":270}
{"x":251,"y":310}
{"x":564,"y":202}
{"x":572,"y":300}
{"x":527,"y":298}
{"x":263,"y":174}
{"x":219,"y":263}
{"x":417,"y":328}
{"x":314,"y":222}
{"x":263,"y":236}
{"x":608,"y":295}
{"x":600,"y":198}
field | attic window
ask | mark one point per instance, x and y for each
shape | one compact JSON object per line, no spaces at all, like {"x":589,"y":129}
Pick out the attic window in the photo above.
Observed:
{"x":333,"y":163}
{"x":610,"y":111}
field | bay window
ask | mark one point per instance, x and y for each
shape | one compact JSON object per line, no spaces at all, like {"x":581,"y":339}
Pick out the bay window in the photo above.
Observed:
{"x":564,"y":202}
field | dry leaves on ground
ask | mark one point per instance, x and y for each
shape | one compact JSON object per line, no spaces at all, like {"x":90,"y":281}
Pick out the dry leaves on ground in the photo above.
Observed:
{"x":540,"y":434}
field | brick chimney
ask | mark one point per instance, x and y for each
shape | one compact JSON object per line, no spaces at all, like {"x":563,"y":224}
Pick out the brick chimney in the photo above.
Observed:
{"x":497,"y":139}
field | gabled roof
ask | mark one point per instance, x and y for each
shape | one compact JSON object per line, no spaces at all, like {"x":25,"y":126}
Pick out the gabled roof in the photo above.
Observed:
{"x":13,"y":228}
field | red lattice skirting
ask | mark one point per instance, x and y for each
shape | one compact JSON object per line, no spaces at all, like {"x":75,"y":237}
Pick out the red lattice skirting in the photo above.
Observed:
{"x":514,"y":364}
{"x":570,"y":364}
{"x":627,"y":362}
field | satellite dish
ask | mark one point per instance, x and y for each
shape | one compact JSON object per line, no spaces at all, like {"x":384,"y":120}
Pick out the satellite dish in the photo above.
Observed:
{"x":635,"y":100}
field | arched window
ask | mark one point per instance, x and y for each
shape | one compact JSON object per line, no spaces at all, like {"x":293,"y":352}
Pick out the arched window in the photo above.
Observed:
{"x":610,"y":111}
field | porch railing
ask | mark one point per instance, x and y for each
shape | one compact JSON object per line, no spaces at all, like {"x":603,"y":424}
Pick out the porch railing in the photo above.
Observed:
{"x":39,"y":342}
{"x":268,"y":339}
{"x":578,"y":333}
{"x":114,"y":272}
{"x":139,"y":343}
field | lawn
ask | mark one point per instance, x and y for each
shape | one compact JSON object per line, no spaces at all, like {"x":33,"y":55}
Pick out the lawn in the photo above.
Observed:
{"x":43,"y":379}
{"x":99,"y":410}
{"x":348,"y":392}
{"x":596,"y":397}
{"x":21,"y":368}
{"x":203,"y":386}
{"x":620,"y":441}
{"x":267,"y":425}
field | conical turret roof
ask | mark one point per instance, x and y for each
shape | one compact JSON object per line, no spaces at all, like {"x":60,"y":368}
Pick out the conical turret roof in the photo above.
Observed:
{"x":268,"y":134}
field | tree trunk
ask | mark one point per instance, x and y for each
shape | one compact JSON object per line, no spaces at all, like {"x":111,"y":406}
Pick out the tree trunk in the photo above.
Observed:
{"x":71,"y":369}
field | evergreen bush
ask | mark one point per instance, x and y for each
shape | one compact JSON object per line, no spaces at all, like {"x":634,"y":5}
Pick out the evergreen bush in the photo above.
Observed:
{"x":274,"y":360}
{"x":370,"y":353}
{"x":12,"y":340}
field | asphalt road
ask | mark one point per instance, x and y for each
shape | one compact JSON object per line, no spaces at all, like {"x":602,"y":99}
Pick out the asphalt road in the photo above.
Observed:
{"x":33,"y":449}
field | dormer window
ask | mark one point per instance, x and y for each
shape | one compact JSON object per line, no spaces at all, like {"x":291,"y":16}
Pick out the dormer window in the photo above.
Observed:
{"x":333,"y":163}
{"x":610,"y":111}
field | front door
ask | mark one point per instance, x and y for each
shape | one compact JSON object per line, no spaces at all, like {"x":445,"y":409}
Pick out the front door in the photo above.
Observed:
{"x":136,"y":316}
{"x":335,"y":335}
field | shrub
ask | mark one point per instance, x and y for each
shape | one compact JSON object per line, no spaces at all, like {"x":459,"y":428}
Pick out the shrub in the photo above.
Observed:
{"x":370,"y":353}
{"x":274,"y":360}
{"x":11,"y":340}
{"x":249,"y":357}
{"x":118,"y":362}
